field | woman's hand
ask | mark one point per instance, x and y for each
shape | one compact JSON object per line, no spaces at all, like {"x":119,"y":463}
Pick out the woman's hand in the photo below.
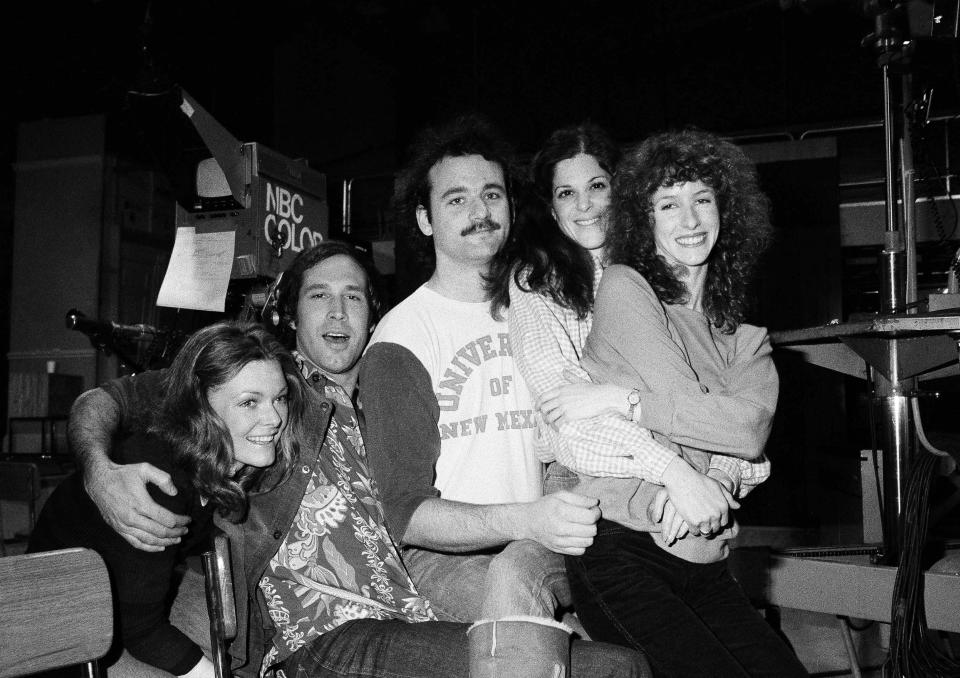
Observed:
{"x":672,"y":524}
{"x":581,"y":399}
{"x":702,"y":501}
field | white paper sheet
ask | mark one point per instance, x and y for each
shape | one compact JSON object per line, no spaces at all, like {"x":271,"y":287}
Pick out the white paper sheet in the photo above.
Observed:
{"x":199,"y":270}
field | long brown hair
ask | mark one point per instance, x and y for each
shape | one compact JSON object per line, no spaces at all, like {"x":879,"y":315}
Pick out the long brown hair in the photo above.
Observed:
{"x":745,"y":231}
{"x":540,"y":256}
{"x":203,"y":445}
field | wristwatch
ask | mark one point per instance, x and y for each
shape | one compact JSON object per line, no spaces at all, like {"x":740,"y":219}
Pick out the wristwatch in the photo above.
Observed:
{"x":633,"y":399}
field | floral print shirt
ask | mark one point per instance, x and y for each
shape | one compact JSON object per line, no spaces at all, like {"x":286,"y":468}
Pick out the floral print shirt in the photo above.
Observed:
{"x":337,"y":562}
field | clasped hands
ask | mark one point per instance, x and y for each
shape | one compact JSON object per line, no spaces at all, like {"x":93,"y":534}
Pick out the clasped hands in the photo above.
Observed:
{"x":690,"y":502}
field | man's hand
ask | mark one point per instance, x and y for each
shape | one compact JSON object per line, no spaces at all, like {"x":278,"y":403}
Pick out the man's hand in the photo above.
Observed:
{"x":564,"y":522}
{"x":703,"y":502}
{"x":120,"y":492}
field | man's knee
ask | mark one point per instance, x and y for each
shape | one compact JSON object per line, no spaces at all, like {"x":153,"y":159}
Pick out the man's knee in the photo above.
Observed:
{"x":527,"y":568}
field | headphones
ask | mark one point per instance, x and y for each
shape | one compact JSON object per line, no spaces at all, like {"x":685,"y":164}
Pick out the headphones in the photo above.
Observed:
{"x":279,"y":309}
{"x":273,"y":309}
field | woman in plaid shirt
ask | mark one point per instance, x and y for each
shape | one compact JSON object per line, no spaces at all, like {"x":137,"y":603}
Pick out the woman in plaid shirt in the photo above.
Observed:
{"x":671,"y":365}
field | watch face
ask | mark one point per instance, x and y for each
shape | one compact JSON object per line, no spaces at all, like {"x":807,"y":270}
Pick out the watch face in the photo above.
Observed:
{"x":633,"y":398}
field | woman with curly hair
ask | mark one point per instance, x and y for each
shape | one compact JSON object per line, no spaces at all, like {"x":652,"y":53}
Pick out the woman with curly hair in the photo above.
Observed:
{"x":689,"y":224}
{"x":547,"y":275}
{"x":232,"y":408}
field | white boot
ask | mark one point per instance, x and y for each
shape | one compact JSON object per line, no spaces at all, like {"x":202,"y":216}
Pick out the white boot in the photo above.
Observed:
{"x":519,"y":647}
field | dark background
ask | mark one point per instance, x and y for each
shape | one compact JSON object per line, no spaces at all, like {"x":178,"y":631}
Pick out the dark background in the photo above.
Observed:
{"x":345,"y":84}
{"x":284,"y":72}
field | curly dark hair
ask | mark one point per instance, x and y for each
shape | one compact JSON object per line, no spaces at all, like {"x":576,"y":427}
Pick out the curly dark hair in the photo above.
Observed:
{"x":288,"y":289}
{"x":202,"y":444}
{"x":692,"y":155}
{"x":555,"y":264}
{"x":465,"y":135}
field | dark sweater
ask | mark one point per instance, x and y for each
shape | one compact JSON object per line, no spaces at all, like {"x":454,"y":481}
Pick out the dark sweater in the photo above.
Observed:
{"x":143,"y":583}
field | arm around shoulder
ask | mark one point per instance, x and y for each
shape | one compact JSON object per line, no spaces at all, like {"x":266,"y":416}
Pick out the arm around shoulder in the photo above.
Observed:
{"x":119,"y":490}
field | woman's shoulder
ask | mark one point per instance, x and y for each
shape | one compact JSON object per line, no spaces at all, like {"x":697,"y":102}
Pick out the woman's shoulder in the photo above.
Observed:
{"x":621,"y":279}
{"x":752,"y":339}
{"x":144,"y":446}
{"x":623,"y":274}
{"x":151,"y":448}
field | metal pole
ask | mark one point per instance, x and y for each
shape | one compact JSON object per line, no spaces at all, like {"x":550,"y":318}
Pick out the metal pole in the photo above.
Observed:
{"x":909,"y":211}
{"x":896,"y":440}
{"x":893,"y":288}
{"x":893,"y":395}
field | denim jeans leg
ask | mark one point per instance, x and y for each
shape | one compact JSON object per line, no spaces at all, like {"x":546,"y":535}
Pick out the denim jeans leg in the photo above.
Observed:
{"x":372,"y":648}
{"x":454,"y":584}
{"x":720,"y":602}
{"x":629,"y":592}
{"x":525,"y":578}
{"x":589,"y":659}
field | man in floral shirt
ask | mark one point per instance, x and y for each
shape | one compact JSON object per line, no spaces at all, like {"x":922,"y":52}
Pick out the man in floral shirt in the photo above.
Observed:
{"x":319,"y":583}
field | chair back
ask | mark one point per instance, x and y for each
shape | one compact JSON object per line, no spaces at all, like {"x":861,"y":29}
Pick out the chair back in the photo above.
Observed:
{"x":56,"y":609}
{"x":218,"y":579}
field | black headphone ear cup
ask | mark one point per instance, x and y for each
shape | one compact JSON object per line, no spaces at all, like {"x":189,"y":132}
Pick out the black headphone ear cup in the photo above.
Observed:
{"x":280,"y":313}
{"x":285,"y":313}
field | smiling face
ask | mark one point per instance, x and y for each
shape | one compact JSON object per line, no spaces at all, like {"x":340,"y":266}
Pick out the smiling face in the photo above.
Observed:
{"x":469,"y":215}
{"x":581,"y":200}
{"x":253,"y":406}
{"x":686,"y":222}
{"x":333,"y":318}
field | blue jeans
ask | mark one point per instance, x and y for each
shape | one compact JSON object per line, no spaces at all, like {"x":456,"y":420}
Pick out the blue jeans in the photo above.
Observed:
{"x":523,"y":578}
{"x":371,"y":648}
{"x":690,"y":619}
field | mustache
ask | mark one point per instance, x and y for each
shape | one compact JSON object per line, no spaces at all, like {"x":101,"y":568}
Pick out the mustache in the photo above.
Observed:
{"x":487,"y":224}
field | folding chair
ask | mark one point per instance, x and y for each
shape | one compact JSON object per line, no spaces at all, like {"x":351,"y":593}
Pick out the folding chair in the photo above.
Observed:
{"x":56,"y":610}
{"x":218,"y":581}
{"x":19,"y":481}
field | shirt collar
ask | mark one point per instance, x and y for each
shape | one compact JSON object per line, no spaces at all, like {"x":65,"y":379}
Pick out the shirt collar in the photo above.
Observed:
{"x":309,"y":370}
{"x":314,"y":374}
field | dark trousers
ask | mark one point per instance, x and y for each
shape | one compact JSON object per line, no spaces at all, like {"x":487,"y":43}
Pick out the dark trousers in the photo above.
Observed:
{"x":371,"y":648}
{"x":382,"y":648}
{"x":690,"y":619}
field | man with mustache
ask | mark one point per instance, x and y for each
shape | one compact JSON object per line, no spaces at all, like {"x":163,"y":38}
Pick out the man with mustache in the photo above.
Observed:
{"x":450,"y":421}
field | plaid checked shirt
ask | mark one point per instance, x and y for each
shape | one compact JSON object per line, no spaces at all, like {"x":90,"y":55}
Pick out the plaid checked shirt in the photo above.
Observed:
{"x":547,"y":339}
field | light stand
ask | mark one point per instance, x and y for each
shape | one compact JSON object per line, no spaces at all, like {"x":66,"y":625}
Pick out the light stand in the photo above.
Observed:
{"x":893,"y":389}
{"x":900,"y":343}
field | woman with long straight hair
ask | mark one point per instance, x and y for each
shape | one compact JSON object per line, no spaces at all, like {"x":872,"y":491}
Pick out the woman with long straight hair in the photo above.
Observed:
{"x":232,"y":408}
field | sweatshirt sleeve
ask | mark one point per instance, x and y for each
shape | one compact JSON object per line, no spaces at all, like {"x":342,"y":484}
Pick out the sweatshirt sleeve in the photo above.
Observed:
{"x":401,"y":436}
{"x":733,"y":420}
